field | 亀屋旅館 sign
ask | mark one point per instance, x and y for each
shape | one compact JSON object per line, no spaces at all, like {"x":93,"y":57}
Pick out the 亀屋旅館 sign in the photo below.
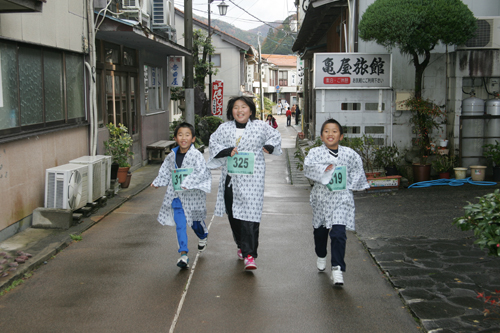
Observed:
{"x":352,"y":71}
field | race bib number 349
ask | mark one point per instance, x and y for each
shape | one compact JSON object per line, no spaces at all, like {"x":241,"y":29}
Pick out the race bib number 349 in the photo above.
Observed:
{"x":178,"y":176}
{"x":339,"y":179}
{"x":241,"y":163}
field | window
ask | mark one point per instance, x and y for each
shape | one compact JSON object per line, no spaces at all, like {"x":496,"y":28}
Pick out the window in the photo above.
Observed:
{"x":352,"y":129}
{"x":373,"y":106}
{"x":153,"y":93}
{"x":216,"y":60}
{"x":350,"y":106}
{"x":283,"y":78}
{"x":39,"y":88}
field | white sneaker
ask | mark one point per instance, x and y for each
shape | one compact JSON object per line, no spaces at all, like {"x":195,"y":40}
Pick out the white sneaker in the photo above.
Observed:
{"x":321,"y":263}
{"x":183,"y":261}
{"x":337,"y":276}
{"x":202,"y":244}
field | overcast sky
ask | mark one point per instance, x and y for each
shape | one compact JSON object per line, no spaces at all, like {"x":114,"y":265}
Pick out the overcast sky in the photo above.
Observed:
{"x":265,"y":10}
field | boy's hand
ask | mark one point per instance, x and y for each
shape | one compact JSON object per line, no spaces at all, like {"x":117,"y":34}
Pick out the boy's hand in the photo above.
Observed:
{"x":234,"y":151}
{"x":330,"y":167}
{"x":153,"y":185}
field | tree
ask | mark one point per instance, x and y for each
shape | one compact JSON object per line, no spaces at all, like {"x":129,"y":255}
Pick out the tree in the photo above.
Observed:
{"x":416,"y":27}
{"x":202,"y":48}
{"x":279,"y":40}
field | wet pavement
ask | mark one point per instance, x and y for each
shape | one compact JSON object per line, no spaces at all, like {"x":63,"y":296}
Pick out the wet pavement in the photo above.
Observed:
{"x":409,"y":268}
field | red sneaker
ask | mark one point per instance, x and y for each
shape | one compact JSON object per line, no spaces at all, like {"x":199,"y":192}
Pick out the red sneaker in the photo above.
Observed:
{"x":240,"y":255}
{"x":250,"y":263}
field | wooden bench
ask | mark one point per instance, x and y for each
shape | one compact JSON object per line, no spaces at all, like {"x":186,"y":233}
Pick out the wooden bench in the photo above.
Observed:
{"x":159,"y":149}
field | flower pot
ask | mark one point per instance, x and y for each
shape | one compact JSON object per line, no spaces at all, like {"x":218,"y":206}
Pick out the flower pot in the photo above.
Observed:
{"x":444,"y":175}
{"x":460,"y":173}
{"x":126,"y":183}
{"x":122,"y":174}
{"x":372,"y":174}
{"x":496,"y":173}
{"x":301,"y":135}
{"x":391,"y":171}
{"x":477,"y":172}
{"x":421,"y":172}
{"x":443,"y":143}
{"x":443,"y":151}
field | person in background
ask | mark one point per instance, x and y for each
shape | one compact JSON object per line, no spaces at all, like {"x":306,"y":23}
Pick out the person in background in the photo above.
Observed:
{"x":288,"y":117}
{"x":297,"y":115}
{"x":271,"y":121}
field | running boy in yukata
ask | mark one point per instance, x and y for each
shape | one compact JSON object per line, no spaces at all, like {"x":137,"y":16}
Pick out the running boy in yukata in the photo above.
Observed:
{"x":187,"y":178}
{"x":336,"y":171}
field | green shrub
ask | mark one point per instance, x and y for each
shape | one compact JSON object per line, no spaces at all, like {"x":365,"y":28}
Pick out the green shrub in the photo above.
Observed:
{"x":484,"y":219}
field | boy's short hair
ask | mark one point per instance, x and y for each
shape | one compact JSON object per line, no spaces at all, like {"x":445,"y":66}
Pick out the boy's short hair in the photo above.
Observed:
{"x":332,"y":121}
{"x":248,"y":101}
{"x":184,"y":125}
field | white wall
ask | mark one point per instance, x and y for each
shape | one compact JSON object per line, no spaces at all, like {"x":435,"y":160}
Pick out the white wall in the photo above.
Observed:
{"x":61,"y":24}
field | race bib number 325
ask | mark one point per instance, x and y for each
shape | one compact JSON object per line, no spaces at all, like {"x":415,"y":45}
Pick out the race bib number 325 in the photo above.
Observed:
{"x":241,"y":163}
{"x":178,"y":176}
{"x":339,"y":179}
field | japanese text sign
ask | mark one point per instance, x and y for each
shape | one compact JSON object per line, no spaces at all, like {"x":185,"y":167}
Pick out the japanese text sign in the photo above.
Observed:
{"x":217,"y":97}
{"x":174,"y":71}
{"x":352,"y":71}
{"x":300,"y":71}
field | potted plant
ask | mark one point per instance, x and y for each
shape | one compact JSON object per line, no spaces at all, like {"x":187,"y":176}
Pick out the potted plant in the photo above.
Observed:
{"x":389,"y":158}
{"x":492,"y":154}
{"x":365,"y":147}
{"x":424,"y":118}
{"x":443,"y":164}
{"x":119,"y":146}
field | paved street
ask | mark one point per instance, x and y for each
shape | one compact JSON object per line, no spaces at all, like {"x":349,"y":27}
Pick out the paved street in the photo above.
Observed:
{"x":122,"y":277}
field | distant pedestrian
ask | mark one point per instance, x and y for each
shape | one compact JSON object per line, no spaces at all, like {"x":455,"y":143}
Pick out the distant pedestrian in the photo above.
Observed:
{"x":336,"y":171}
{"x":297,"y":115}
{"x":238,"y":147}
{"x":187,"y":178}
{"x":288,"y":117}
{"x":279,"y":106}
{"x":271,"y":121}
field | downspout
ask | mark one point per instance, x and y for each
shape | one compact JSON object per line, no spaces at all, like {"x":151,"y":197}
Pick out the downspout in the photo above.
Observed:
{"x":92,"y":84}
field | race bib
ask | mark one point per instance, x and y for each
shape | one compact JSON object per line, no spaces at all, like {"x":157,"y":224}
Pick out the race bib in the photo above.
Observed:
{"x":339,"y":179}
{"x":178,"y":176}
{"x":241,"y":163}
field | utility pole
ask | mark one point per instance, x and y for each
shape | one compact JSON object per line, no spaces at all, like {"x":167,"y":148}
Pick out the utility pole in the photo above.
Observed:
{"x":189,"y":78}
{"x":260,"y":82}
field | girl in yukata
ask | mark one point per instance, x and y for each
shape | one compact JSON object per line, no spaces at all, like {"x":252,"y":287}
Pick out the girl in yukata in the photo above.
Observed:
{"x":336,"y":172}
{"x":238,"y":146}
{"x":187,"y":178}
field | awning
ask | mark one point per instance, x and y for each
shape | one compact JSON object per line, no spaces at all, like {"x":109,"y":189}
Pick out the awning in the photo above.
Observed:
{"x":131,"y":34}
{"x":316,"y":22}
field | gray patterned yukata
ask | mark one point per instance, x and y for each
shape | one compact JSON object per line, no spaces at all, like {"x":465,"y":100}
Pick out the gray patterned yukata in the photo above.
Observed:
{"x":334,"y":207}
{"x":198,"y":183}
{"x":248,"y":190}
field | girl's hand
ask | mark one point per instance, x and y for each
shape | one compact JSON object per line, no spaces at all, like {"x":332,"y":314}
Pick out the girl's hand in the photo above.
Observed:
{"x":265,"y":150}
{"x":153,"y":185}
{"x":330,"y":167}
{"x":234,"y":151}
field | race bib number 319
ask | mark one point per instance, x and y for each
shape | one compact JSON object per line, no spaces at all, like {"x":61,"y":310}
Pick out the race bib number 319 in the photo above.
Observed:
{"x":241,"y":163}
{"x":339,"y":179}
{"x":178,"y":176}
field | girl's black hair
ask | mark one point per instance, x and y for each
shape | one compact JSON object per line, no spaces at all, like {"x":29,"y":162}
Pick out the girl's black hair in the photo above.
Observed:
{"x":332,"y":121}
{"x":248,"y":101}
{"x":269,"y":115}
{"x":184,"y":125}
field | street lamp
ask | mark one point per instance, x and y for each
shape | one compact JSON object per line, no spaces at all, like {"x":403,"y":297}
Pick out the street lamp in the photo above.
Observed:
{"x":222,"y":12}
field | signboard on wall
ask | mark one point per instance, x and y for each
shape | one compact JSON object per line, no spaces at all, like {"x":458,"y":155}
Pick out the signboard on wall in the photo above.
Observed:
{"x":175,"y":71}
{"x":217,"y":97}
{"x":300,"y":71}
{"x":352,"y":71}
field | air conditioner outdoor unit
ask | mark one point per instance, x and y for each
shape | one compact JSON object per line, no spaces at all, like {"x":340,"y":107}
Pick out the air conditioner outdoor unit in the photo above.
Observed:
{"x":487,"y":34}
{"x":66,"y":186}
{"x":248,"y":86}
{"x":97,"y":175}
{"x":130,"y":4}
{"x":162,"y":13}
{"x":109,"y":161}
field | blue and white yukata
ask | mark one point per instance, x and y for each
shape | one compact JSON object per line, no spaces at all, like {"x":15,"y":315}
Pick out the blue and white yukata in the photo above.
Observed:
{"x":242,"y":196}
{"x":189,"y":206}
{"x":333,"y":209}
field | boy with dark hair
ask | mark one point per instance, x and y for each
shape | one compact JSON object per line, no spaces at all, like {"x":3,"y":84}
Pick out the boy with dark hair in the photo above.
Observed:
{"x":336,"y":171}
{"x":187,"y":178}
